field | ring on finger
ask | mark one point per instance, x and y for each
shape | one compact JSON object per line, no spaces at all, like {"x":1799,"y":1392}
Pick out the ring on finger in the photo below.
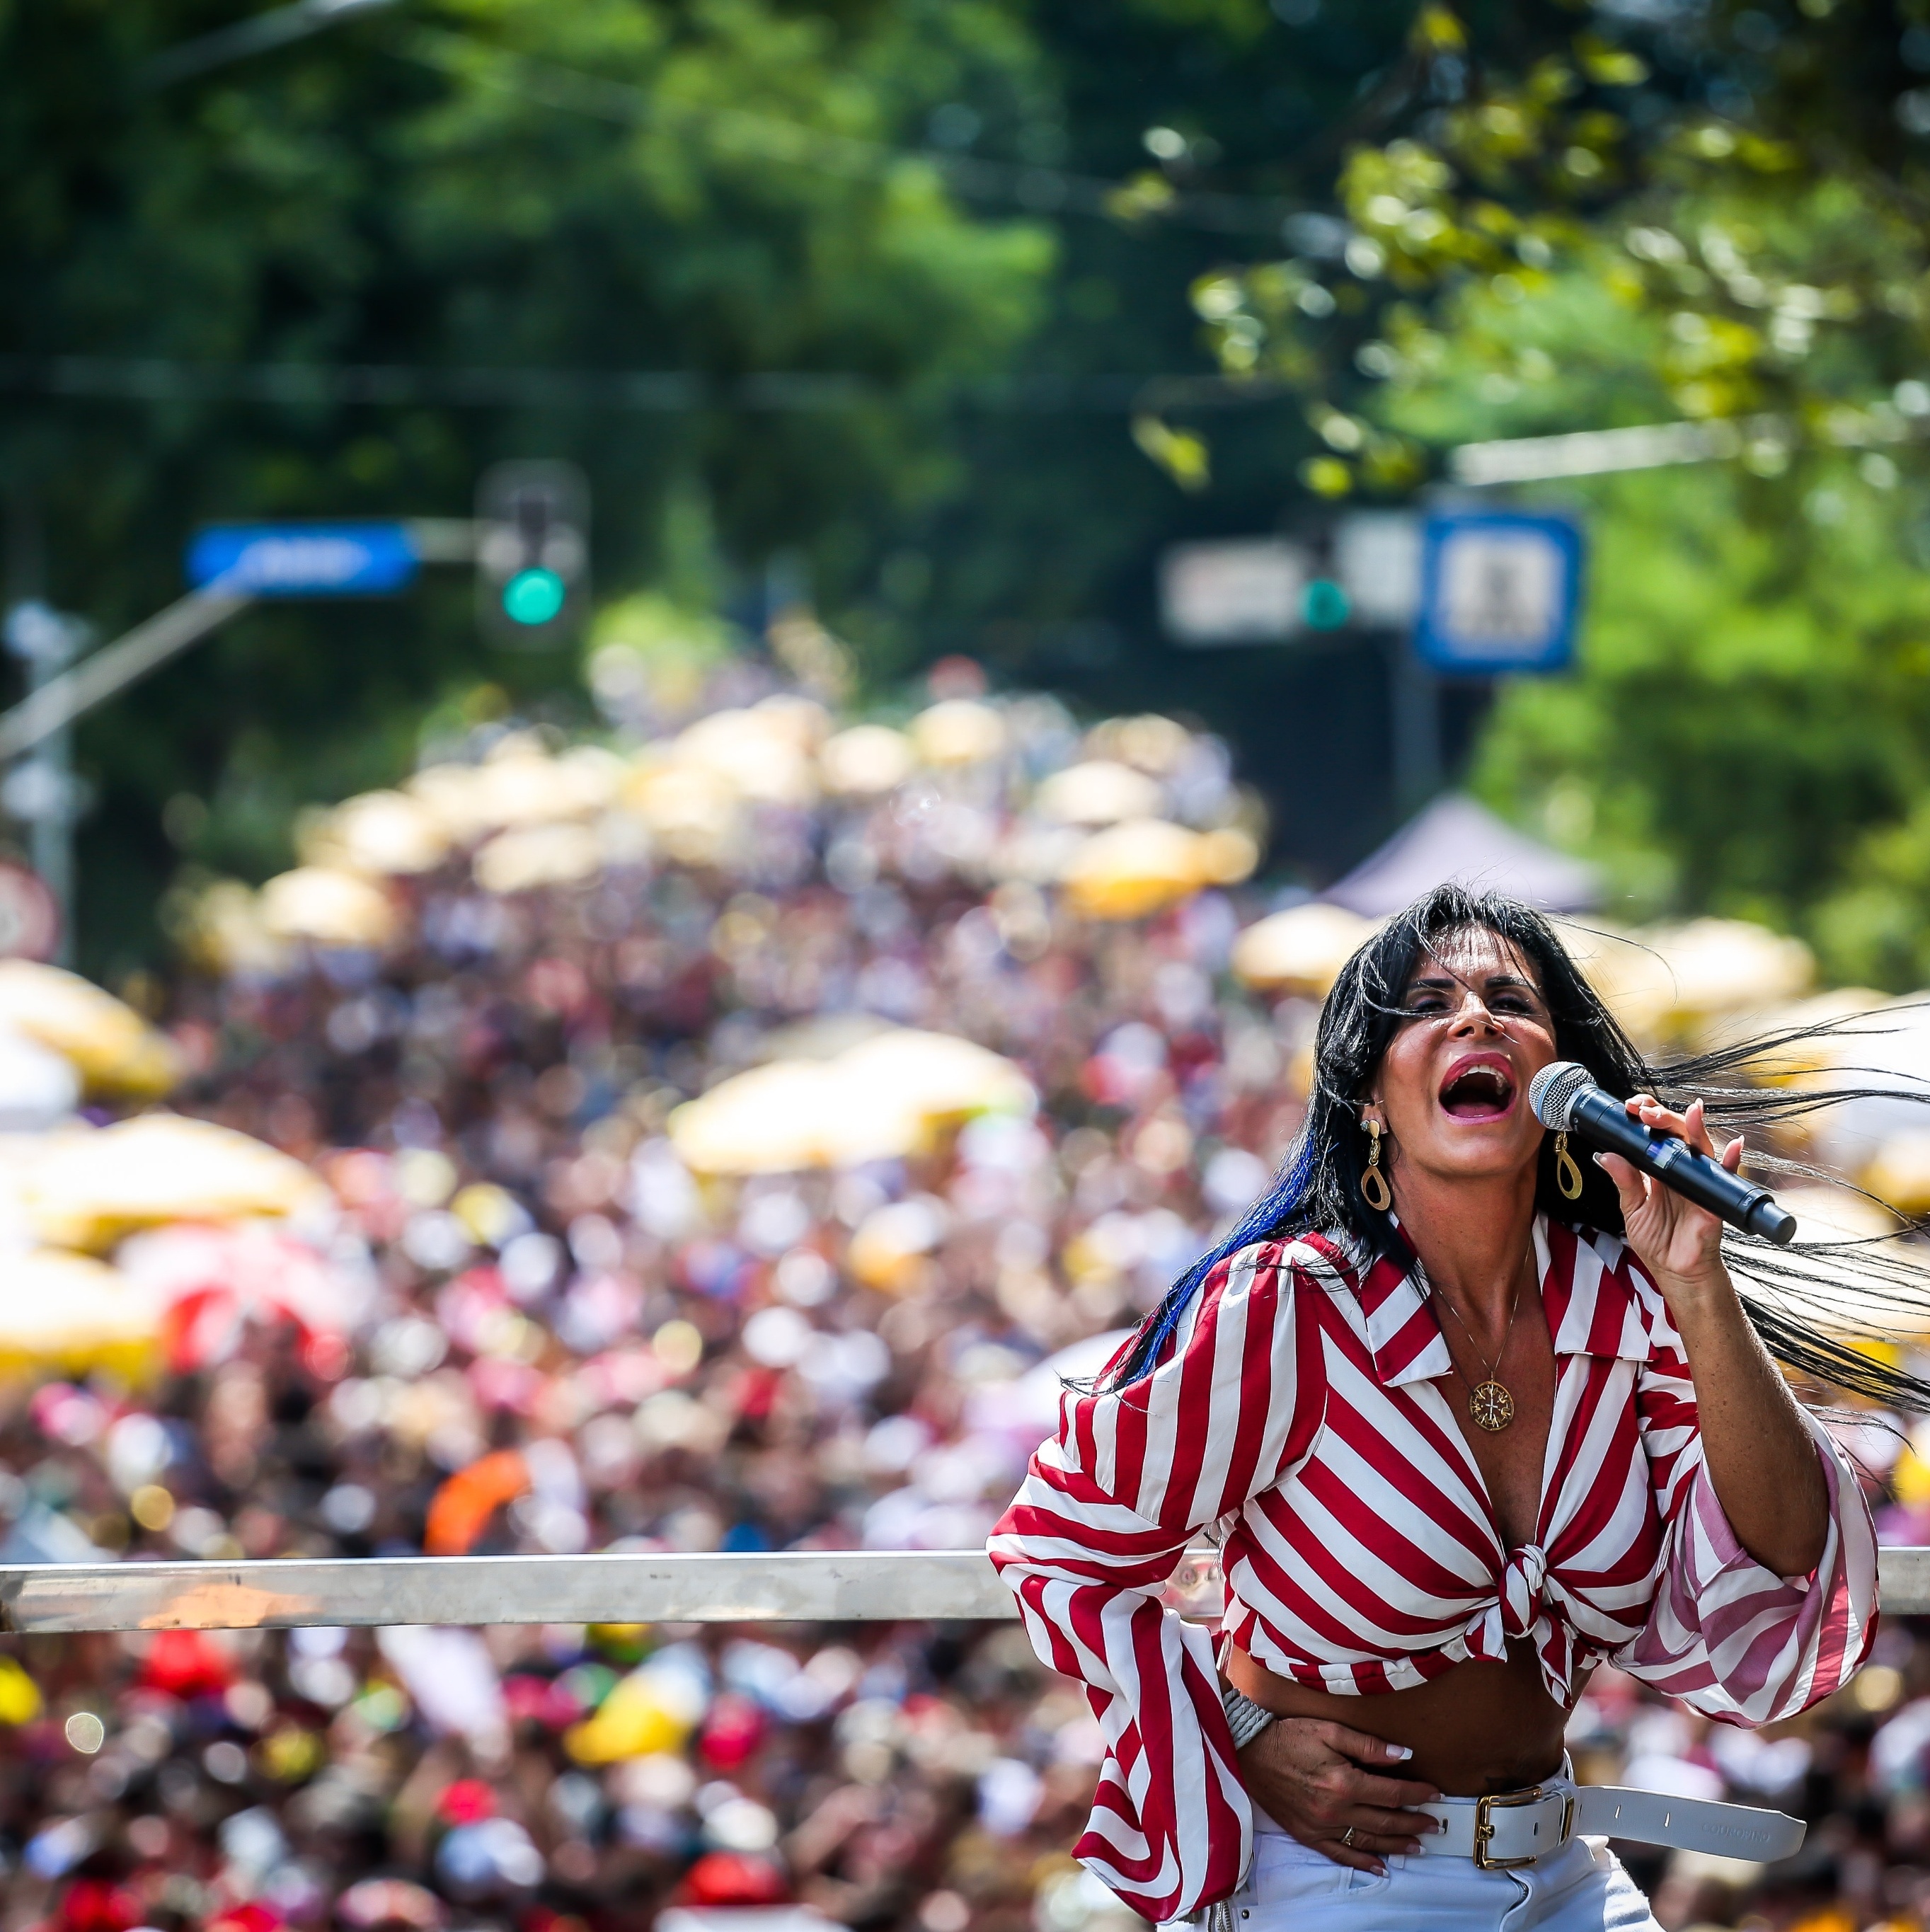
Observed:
{"x":1347,"y":1837}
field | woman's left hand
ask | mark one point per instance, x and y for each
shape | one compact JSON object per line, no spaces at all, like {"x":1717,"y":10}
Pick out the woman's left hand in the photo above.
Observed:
{"x":1679,"y":1243}
{"x":1756,"y":1445}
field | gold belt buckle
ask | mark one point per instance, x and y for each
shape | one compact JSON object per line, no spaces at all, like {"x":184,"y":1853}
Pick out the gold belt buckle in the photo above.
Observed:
{"x":1509,"y":1800}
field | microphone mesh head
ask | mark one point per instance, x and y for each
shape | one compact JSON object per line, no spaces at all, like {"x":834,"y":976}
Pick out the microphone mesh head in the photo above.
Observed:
{"x":1552,"y":1092}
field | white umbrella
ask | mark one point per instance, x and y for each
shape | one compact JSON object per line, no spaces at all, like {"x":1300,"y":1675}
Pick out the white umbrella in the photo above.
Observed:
{"x":329,"y":907}
{"x":381,"y":831}
{"x":1101,"y":791}
{"x":866,"y":759}
{"x":1300,"y":950}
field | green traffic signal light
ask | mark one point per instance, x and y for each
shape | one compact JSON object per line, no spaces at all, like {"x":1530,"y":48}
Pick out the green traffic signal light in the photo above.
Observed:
{"x":534,"y":596}
{"x":1325,"y":606}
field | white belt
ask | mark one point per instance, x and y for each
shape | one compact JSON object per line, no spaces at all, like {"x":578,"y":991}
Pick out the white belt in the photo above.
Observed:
{"x":1516,"y":1828}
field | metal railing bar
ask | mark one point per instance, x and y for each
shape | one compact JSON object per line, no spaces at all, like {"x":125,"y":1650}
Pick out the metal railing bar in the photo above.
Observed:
{"x":787,"y":1587}
{"x":283,"y":1594}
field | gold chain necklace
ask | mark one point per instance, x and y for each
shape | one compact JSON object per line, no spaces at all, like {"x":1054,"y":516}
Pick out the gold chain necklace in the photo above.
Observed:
{"x":1489,"y":1402}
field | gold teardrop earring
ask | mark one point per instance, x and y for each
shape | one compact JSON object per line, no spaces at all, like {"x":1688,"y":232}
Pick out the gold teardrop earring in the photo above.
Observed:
{"x":1567,"y":1176}
{"x":1373,"y":1184}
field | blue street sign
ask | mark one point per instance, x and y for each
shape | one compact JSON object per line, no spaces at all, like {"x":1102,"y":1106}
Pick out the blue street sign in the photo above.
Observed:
{"x":1500,"y":592}
{"x":304,"y":559}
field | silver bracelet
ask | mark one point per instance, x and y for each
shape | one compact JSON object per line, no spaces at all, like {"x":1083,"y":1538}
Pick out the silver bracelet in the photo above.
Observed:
{"x":1245,"y":1718}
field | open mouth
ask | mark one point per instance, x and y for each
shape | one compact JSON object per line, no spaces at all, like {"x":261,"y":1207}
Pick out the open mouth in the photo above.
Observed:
{"x":1483,"y":1091}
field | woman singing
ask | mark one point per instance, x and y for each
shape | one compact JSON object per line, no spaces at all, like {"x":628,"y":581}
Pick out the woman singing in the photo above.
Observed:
{"x":1468,"y":1413}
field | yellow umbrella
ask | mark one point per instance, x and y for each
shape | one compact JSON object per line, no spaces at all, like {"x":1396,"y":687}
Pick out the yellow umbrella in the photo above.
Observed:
{"x":958,"y":731}
{"x":881,"y":1099}
{"x":1149,"y":743}
{"x":1300,"y":950}
{"x":87,"y":1188}
{"x":329,"y":907}
{"x":452,"y":795}
{"x":865,"y":761}
{"x":696,"y":816}
{"x":68,"y":1314}
{"x":1100,"y":792}
{"x":387,"y":833}
{"x":771,"y":1119}
{"x":116,"y":1051}
{"x":1681,"y":982}
{"x":1146,"y":864}
{"x":524,"y":786}
{"x":538,"y":855}
{"x":1826,"y":1293}
{"x":937,"y":1077}
{"x":757,"y":753}
{"x":1900,"y":1173}
{"x":221,"y":927}
{"x":802,"y":720}
{"x":1884,"y":1048}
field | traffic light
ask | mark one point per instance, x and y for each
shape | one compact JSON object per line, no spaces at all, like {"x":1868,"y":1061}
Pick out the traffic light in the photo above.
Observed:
{"x":532,"y":554}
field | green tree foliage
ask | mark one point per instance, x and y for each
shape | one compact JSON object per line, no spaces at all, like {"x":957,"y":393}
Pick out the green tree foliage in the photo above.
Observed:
{"x":1718,"y":216}
{"x":908,"y":196}
{"x":903,"y":195}
{"x":612,"y":185}
{"x":1401,"y":226}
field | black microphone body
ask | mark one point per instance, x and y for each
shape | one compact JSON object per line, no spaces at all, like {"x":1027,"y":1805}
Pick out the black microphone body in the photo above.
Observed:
{"x":1578,"y":1106}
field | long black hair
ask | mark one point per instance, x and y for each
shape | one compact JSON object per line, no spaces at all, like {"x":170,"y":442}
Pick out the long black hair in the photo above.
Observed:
{"x":1318,"y":1190}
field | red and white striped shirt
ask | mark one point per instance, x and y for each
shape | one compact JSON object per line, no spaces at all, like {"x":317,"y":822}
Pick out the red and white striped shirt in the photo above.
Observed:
{"x":1299,"y":1408}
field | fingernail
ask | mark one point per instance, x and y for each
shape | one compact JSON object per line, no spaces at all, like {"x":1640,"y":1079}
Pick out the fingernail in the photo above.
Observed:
{"x":1598,"y":1160}
{"x":1401,"y":1753}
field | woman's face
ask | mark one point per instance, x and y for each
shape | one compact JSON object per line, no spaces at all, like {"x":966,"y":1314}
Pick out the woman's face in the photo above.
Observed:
{"x":1452,"y":1090}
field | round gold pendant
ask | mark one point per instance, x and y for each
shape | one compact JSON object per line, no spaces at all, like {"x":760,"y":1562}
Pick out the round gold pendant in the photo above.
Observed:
{"x":1492,"y":1407}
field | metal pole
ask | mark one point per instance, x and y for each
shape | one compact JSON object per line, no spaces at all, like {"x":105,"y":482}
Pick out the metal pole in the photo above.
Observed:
{"x":52,"y":705}
{"x":793,"y":1586}
{"x":55,"y":704}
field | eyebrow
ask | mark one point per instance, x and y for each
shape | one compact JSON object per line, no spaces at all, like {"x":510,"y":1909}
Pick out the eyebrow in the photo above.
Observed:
{"x":1438,"y":981}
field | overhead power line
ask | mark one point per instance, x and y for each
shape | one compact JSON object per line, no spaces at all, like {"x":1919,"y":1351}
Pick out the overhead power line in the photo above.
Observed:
{"x":257,"y":35}
{"x":162,"y":379}
{"x":1531,"y":459}
{"x":1038,"y":189}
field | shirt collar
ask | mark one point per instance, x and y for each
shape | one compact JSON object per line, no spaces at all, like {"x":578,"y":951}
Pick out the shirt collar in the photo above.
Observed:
{"x":1588,"y":1288}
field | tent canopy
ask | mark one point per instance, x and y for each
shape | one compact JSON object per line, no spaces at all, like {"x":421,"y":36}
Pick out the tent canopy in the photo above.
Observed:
{"x":1455,"y":838}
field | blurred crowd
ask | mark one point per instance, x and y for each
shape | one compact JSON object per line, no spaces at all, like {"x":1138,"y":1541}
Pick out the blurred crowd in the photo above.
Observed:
{"x":538,"y":1322}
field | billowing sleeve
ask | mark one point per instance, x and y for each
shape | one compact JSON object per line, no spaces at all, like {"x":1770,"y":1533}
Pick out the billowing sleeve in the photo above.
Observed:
{"x":1730,"y":1639}
{"x":1107,"y":1508}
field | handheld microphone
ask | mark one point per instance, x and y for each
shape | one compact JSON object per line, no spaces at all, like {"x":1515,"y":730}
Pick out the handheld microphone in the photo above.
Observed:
{"x":1565,"y":1098}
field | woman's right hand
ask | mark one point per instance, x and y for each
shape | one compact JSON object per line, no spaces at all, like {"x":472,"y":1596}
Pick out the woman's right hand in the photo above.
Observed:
{"x":1311,"y":1776}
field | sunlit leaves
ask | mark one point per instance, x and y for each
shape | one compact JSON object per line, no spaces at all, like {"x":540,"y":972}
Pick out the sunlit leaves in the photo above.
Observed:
{"x":1436,"y":30}
{"x":1607,"y":65}
{"x":1181,"y":454}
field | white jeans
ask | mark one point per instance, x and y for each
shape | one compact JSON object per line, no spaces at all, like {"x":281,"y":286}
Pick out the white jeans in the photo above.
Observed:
{"x":1582,"y":1888}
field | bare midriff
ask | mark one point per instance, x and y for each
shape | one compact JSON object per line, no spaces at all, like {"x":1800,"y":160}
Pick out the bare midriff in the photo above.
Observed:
{"x":1480,"y":1728}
